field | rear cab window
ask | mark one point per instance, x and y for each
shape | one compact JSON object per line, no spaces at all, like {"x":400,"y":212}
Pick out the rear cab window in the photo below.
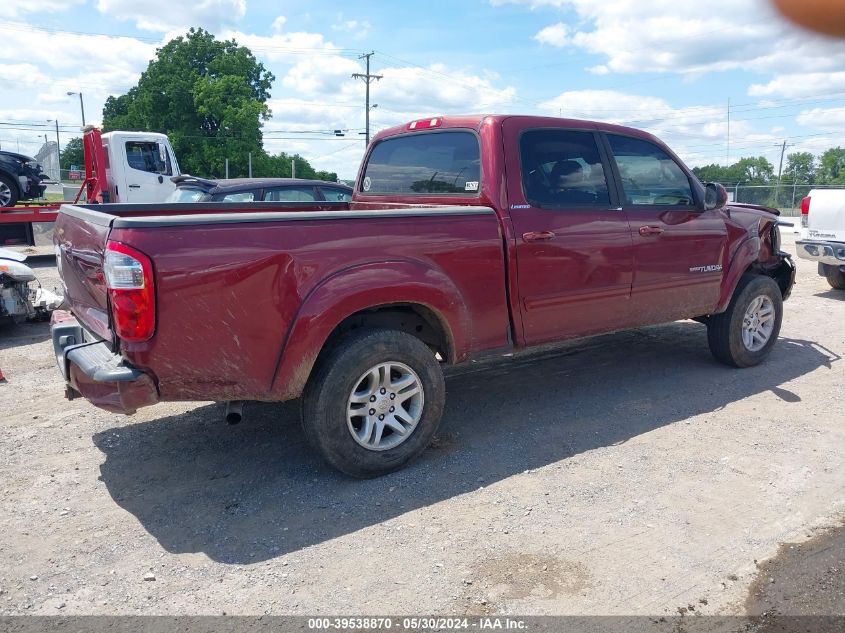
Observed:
{"x":432,"y":163}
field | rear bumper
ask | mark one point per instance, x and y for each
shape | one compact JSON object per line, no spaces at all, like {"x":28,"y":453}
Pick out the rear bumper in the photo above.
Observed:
{"x":93,"y":371}
{"x":830,"y":253}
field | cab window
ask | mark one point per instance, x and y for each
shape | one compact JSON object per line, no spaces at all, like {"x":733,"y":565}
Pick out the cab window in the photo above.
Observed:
{"x":649,"y":175}
{"x":562,"y":169}
{"x":146,"y":156}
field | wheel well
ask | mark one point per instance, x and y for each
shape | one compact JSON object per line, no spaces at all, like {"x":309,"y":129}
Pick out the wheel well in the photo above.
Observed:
{"x":780,"y":273}
{"x":415,"y":319}
{"x":11,"y":180}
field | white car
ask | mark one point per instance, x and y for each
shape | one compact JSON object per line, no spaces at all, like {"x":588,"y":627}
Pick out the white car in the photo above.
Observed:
{"x":823,"y":233}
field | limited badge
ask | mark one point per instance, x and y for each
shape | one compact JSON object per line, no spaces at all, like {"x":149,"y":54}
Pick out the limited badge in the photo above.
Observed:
{"x":367,"y":183}
{"x":471,"y":185}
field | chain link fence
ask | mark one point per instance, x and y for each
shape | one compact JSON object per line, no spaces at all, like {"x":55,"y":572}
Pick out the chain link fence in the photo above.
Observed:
{"x":786,"y":197}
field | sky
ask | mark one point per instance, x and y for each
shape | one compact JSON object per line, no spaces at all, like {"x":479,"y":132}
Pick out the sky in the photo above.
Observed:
{"x":680,"y":69}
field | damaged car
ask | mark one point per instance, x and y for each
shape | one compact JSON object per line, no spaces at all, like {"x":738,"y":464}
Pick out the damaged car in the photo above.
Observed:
{"x":21,"y":178}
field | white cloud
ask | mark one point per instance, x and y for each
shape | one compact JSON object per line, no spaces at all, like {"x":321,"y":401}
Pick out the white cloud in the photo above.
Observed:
{"x":14,"y":8}
{"x":555,"y":35}
{"x":801,"y":85}
{"x":698,"y":133}
{"x":827,"y":119}
{"x":279,"y":24}
{"x":690,"y":37}
{"x":357,"y":29}
{"x":165,"y":15}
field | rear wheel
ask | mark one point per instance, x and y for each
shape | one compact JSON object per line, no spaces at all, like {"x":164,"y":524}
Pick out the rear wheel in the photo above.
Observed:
{"x":8,"y":192}
{"x":744,"y":334}
{"x":835,"y":277}
{"x":374,"y":402}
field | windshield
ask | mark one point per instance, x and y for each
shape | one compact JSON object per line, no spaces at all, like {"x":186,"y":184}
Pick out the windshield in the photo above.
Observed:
{"x":438,"y":162}
{"x":188,"y":194}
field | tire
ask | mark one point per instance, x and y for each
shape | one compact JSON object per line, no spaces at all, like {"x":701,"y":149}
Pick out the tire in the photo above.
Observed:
{"x":835,"y":277}
{"x":725,"y":331}
{"x":8,"y":191}
{"x":352,"y":374}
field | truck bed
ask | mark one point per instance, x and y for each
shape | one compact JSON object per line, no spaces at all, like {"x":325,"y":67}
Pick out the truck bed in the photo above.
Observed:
{"x":243,"y":291}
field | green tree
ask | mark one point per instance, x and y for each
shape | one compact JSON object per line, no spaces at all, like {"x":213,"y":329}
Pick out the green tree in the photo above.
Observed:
{"x":800,"y":168}
{"x":208,"y":96}
{"x":279,"y":166}
{"x":831,"y":170}
{"x":711,"y":173}
{"x":752,"y":171}
{"x":72,"y":154}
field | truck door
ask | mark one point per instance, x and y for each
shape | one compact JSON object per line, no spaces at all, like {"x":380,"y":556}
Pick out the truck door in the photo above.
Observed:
{"x":148,"y":169}
{"x":678,"y":246}
{"x":573,"y":242}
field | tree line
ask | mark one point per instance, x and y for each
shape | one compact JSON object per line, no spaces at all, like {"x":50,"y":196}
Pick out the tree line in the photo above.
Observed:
{"x":210,"y":98}
{"x":802,"y":168}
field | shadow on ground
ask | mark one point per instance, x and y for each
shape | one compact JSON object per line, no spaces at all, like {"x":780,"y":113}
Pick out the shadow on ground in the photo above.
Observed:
{"x":839,"y":295}
{"x":252,"y":492}
{"x":24,"y":333}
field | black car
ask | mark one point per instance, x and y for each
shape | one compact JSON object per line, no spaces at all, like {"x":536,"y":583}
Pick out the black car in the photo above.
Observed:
{"x":20,"y":178}
{"x":193,"y":189}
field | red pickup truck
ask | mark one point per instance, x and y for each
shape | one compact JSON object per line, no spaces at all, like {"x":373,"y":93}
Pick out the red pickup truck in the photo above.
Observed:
{"x":467,"y":236}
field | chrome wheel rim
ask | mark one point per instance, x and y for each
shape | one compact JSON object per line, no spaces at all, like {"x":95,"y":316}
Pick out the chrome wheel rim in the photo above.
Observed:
{"x":758,"y":323}
{"x":5,"y":195}
{"x":385,"y":406}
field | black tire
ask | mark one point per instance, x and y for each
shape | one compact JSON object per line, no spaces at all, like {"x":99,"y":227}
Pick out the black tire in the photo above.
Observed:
{"x":724,"y":331}
{"x":7,"y":183}
{"x":326,"y":398}
{"x":835,"y":277}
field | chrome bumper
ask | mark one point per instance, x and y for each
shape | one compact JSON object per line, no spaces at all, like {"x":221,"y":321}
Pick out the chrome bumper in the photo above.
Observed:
{"x":830,"y":253}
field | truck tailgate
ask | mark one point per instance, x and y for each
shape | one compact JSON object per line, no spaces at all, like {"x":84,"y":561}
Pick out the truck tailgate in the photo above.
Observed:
{"x":826,"y":219}
{"x":80,"y":236}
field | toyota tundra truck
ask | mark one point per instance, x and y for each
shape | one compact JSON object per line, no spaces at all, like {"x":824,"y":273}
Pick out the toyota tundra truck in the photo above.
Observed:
{"x":823,"y":234}
{"x":467,"y":236}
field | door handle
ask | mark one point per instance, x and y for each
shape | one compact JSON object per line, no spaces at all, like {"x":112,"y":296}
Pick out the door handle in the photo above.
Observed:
{"x":650,"y":230}
{"x":134,"y":186}
{"x":538,"y":236}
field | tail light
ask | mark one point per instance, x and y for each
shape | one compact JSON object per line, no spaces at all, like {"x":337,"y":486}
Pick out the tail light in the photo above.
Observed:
{"x":805,"y":212}
{"x":129,"y":278}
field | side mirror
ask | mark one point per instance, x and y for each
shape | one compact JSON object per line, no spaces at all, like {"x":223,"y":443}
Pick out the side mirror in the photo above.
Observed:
{"x":715,"y":196}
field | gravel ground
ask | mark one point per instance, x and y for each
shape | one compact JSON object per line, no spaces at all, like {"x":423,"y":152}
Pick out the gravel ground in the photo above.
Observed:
{"x":624,"y":474}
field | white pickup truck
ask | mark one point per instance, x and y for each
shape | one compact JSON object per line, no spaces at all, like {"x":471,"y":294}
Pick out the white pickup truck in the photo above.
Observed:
{"x":823,"y":233}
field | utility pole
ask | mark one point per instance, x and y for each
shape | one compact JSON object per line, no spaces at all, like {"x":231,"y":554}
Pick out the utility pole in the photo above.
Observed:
{"x":728,"y":150}
{"x":250,"y":164}
{"x":780,"y":171}
{"x":368,"y":79}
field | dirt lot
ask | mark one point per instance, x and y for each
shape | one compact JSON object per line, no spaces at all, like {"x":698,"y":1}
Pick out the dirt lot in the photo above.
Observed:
{"x":626,"y":474}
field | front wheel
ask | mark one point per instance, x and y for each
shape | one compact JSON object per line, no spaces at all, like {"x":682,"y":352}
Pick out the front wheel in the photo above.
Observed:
{"x":835,"y":277}
{"x":8,"y":192}
{"x":374,"y":402}
{"x":743,"y":335}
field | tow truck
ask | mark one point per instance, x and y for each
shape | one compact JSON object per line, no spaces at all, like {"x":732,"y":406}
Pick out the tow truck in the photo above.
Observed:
{"x":119,"y":167}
